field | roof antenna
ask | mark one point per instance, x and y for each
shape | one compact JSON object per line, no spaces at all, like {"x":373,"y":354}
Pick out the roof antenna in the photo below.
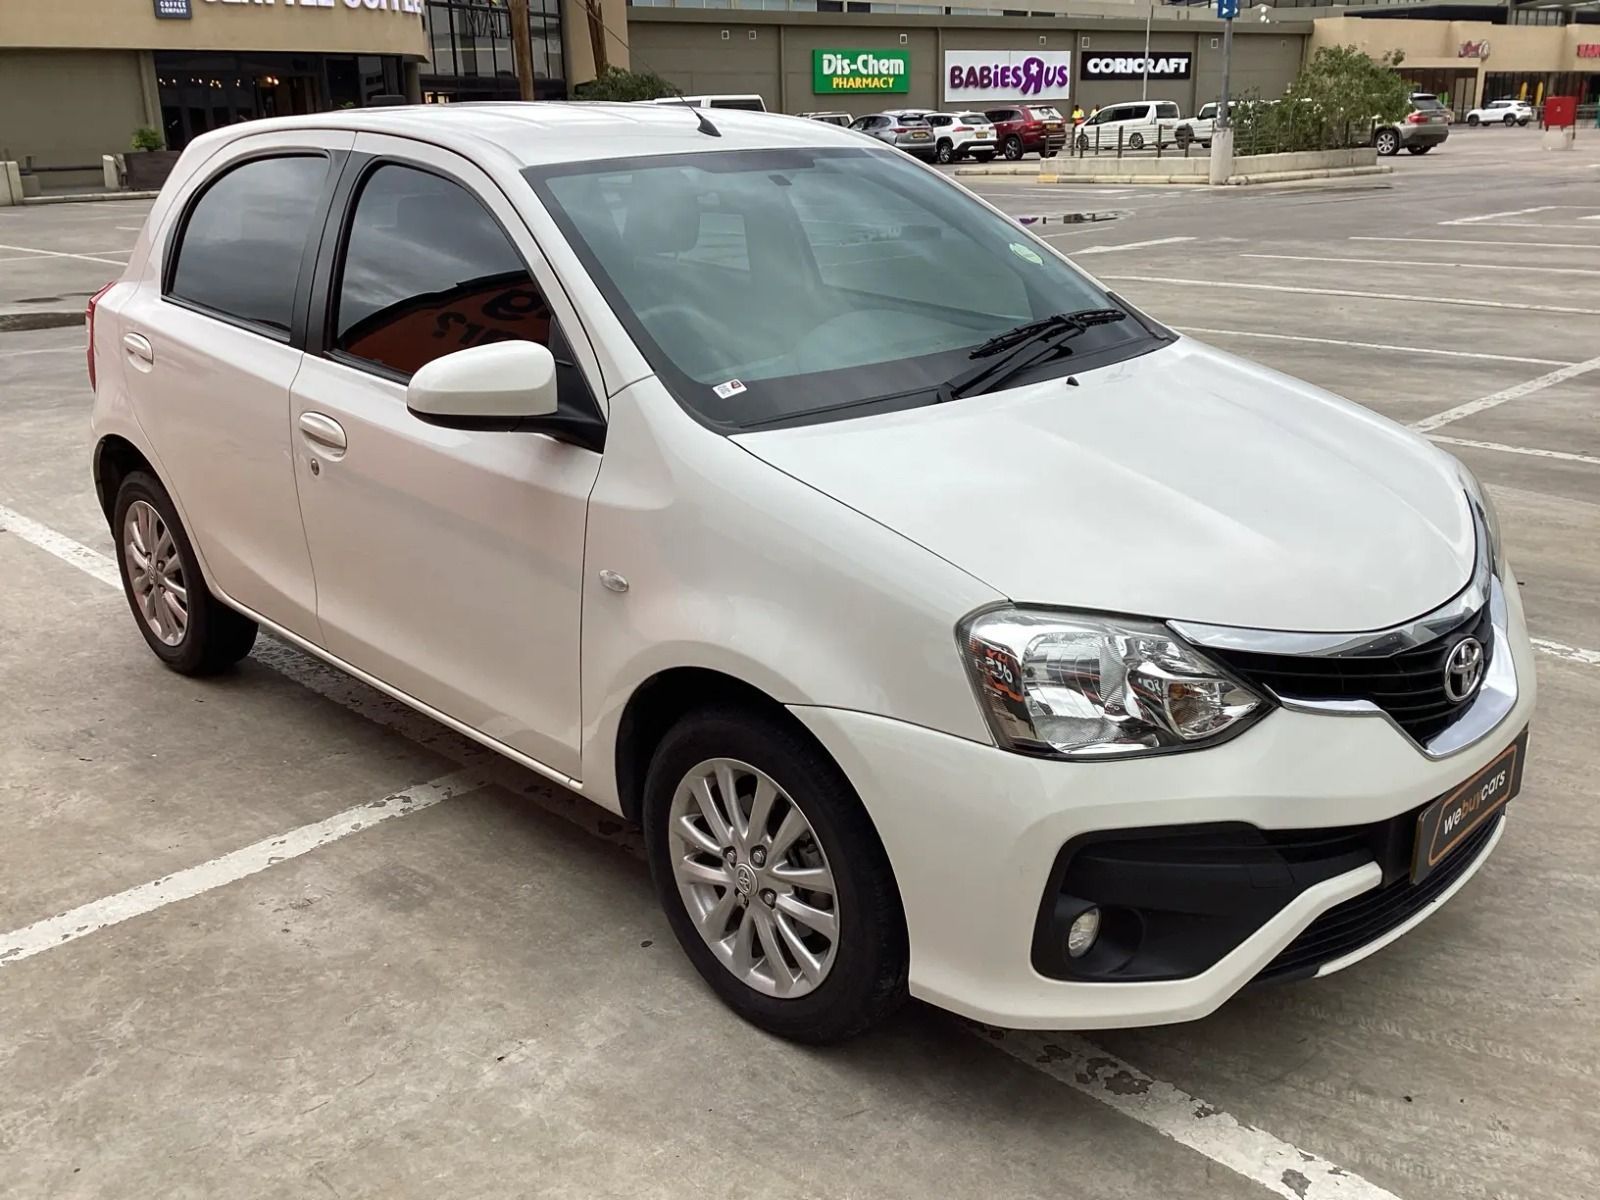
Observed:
{"x":706,"y":127}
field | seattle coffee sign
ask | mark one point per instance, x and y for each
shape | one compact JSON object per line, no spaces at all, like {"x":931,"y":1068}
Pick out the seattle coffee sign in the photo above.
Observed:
{"x":980,"y":76}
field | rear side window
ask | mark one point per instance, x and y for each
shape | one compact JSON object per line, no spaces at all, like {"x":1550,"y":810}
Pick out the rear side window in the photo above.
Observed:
{"x":747,"y":105}
{"x":1167,"y":112}
{"x":239,"y":251}
{"x":427,"y":271}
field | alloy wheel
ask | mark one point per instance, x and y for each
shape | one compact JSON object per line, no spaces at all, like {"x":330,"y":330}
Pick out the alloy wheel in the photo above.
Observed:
{"x":753,"y":878}
{"x":155,"y":573}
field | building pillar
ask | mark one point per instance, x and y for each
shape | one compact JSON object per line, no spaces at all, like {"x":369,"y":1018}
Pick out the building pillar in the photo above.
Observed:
{"x":150,"y":94}
{"x":783,"y":71}
{"x":411,"y":81}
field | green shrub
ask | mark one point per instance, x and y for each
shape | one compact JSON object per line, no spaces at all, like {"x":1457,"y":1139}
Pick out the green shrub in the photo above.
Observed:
{"x":615,"y":83}
{"x":147,"y":138}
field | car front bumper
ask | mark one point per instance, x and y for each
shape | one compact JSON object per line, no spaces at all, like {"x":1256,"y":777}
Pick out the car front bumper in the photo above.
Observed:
{"x":974,"y":833}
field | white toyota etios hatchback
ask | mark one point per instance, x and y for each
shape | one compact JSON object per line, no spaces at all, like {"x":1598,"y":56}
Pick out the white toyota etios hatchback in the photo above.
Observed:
{"x":951,"y":627}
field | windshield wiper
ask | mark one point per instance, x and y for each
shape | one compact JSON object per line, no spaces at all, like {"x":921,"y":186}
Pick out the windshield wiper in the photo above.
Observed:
{"x":1020,"y":348}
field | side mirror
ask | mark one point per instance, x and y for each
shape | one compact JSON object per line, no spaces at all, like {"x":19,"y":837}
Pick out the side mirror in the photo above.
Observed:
{"x":500,"y":383}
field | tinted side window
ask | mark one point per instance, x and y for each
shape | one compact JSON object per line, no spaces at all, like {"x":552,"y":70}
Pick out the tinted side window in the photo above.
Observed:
{"x":1167,"y":112}
{"x":426,"y":272}
{"x":240,"y":250}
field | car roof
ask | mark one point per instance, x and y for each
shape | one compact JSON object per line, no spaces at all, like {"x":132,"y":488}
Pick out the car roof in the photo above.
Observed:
{"x":533,"y":133}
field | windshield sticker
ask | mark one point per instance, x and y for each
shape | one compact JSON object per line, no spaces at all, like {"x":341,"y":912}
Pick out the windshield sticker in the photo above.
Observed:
{"x":732,"y":388}
{"x":1024,"y":252}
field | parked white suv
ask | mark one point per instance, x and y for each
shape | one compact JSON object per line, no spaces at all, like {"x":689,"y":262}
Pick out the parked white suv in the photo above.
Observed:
{"x":688,"y":471}
{"x":1501,"y":112}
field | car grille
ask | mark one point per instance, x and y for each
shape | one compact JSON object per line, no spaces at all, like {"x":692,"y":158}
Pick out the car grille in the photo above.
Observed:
{"x":1409,"y":686}
{"x":1365,"y":918}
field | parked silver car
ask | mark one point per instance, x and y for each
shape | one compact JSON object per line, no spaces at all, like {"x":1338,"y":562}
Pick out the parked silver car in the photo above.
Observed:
{"x":1420,"y":130}
{"x":912,"y":134}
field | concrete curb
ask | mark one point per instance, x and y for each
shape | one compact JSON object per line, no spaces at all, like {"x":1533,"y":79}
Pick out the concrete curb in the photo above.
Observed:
{"x":90,"y":197}
{"x":1321,"y":173}
{"x":16,"y":319}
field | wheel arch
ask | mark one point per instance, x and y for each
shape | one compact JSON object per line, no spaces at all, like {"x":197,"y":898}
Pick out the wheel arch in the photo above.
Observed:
{"x":115,"y":458}
{"x":660,"y":701}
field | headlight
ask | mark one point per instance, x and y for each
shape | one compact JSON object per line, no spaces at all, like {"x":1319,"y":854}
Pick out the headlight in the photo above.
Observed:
{"x":1478,"y":496}
{"x":1087,"y":686}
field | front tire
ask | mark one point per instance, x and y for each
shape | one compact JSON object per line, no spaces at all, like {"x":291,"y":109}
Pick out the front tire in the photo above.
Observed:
{"x":1012,"y":148}
{"x":182,"y":622}
{"x":946,"y":153}
{"x":772,"y":877}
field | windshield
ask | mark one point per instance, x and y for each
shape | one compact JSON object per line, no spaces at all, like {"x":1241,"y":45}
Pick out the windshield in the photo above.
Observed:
{"x":772,"y":286}
{"x":975,"y":119}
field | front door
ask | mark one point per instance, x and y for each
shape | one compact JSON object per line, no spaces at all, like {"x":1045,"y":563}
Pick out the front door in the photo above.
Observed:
{"x":449,"y":563}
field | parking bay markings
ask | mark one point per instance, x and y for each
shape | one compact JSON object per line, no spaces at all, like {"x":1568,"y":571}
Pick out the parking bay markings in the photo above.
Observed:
{"x":1284,"y":1169}
{"x":1299,"y":337}
{"x":1459,"y":301}
{"x":1561,"y":455}
{"x":34,"y":251}
{"x":1401,"y":262}
{"x":1496,"y":399}
{"x":1357,"y":237}
{"x":1166,"y":241}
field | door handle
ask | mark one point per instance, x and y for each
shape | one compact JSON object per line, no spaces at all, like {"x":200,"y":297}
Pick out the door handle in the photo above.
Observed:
{"x":323,"y":432}
{"x":139,"y":346}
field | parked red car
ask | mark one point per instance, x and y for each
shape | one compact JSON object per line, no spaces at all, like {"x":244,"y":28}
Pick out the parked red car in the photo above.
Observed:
{"x":1019,"y":128}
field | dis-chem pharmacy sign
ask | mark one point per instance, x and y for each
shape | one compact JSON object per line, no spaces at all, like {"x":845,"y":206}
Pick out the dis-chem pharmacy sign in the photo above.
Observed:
{"x":835,"y":71}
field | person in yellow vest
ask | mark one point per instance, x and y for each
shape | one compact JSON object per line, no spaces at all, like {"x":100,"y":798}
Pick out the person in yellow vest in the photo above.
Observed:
{"x":1077,"y":114}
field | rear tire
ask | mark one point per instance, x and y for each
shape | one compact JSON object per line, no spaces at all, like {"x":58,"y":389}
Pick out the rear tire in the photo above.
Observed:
{"x":1472,"y":119}
{"x":1418,"y":149}
{"x":1509,"y":121}
{"x":1012,"y":148}
{"x":182,"y":622}
{"x":1136,"y":141}
{"x":1184,"y":136}
{"x":1387,"y":142}
{"x":858,"y":976}
{"x":984,"y":156}
{"x":1524,"y":122}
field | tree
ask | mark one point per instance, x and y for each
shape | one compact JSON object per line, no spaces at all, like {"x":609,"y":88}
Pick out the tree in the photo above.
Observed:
{"x":1332,"y":103}
{"x":1348,"y":85}
{"x":614,"y":83}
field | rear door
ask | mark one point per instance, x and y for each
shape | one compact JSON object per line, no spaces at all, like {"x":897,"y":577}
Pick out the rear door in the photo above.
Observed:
{"x":211,"y":343}
{"x":449,"y":561}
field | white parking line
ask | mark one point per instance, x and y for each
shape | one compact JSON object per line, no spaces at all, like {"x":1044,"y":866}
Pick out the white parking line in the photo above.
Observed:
{"x":1516,"y":392}
{"x":46,"y":350}
{"x":1562,"y":455}
{"x":1587,"y":658}
{"x":1402,"y":262}
{"x":1300,"y":337}
{"x":1166,"y":241}
{"x":235,"y":865}
{"x":1515,"y":212}
{"x":1479,"y":242}
{"x":34,"y":251}
{"x":1460,"y":301}
{"x":1283,"y":1169}
{"x":1255,"y":1154}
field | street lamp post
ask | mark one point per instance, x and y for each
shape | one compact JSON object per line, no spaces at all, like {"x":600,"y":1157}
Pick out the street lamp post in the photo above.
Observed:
{"x":1144,"y":87}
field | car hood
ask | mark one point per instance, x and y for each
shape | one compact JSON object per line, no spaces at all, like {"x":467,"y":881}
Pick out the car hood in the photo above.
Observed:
{"x":1184,"y":484}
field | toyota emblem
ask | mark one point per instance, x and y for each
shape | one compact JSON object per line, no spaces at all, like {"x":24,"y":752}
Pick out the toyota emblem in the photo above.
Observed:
{"x":1463,"y":670}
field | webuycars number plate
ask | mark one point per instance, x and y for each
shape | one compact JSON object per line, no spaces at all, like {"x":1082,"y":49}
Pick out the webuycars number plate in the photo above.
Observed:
{"x":1443,"y":825}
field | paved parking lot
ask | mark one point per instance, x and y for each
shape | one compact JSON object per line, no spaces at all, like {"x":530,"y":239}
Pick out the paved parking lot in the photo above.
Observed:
{"x":273,"y":934}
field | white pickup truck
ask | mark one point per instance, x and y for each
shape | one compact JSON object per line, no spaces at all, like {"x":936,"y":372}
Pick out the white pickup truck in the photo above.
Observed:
{"x":1198,"y":128}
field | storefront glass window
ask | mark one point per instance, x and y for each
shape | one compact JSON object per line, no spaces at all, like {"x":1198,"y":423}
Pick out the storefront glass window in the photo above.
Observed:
{"x":472,"y":51}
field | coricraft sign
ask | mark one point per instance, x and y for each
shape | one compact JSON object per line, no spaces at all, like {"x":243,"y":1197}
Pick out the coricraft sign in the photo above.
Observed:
{"x":399,"y":6}
{"x":975,"y":76}
{"x":1119,"y":65}
{"x":860,"y":71}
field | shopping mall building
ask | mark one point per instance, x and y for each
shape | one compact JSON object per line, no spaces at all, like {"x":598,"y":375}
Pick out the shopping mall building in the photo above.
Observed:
{"x":74,"y":87}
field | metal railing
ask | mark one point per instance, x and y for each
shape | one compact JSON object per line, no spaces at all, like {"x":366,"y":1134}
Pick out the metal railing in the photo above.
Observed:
{"x":1161,"y":138}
